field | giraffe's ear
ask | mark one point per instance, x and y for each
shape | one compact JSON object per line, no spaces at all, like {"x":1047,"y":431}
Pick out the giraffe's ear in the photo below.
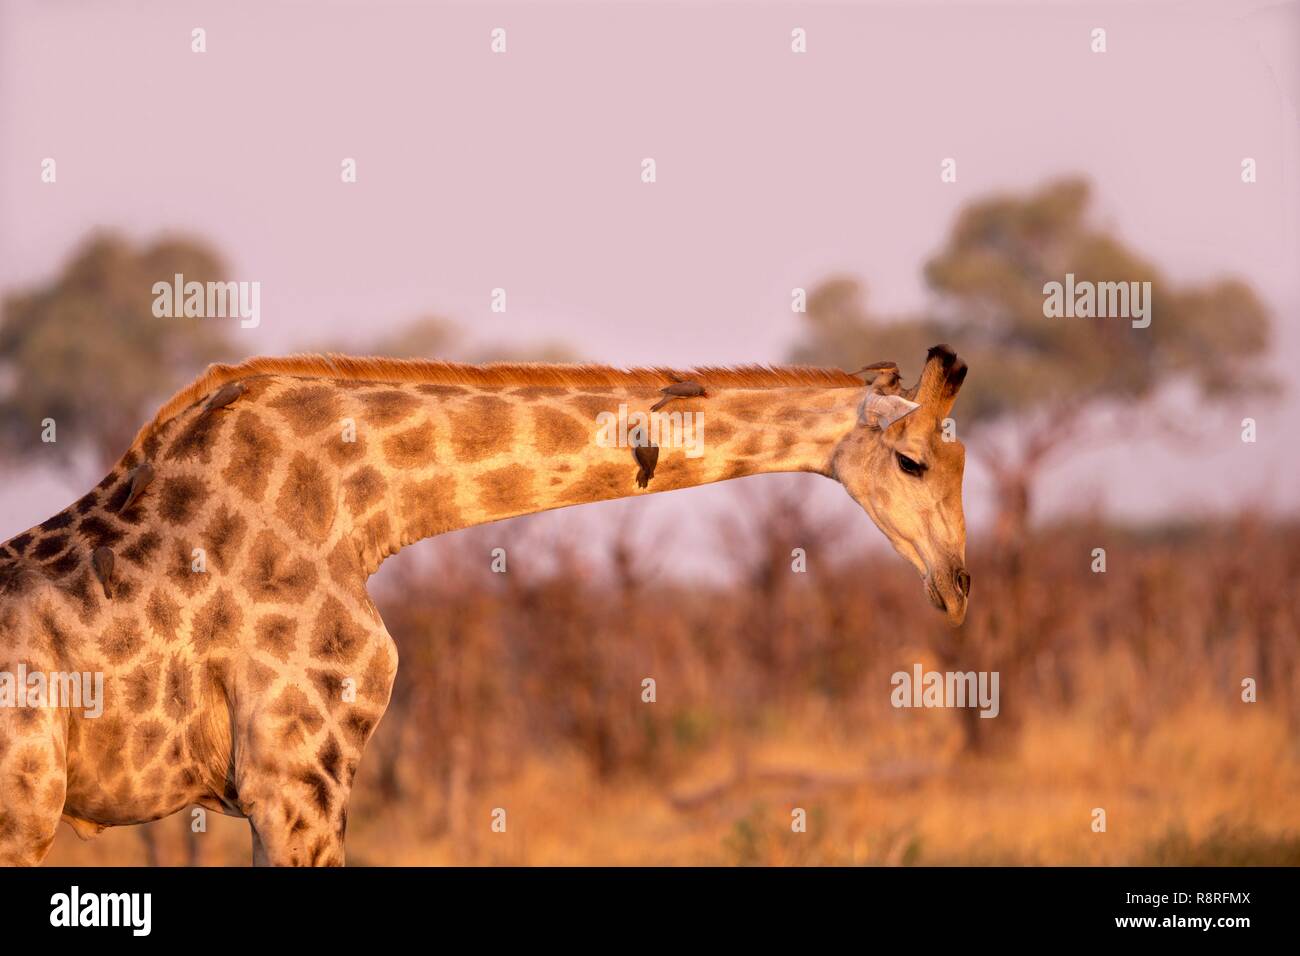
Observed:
{"x":881,"y":411}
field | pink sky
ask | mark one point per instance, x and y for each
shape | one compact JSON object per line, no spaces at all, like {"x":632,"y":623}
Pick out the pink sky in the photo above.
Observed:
{"x":522,"y":171}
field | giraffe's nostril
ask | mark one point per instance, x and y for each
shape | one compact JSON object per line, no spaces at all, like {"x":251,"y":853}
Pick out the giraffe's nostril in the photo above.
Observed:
{"x":962,"y":577}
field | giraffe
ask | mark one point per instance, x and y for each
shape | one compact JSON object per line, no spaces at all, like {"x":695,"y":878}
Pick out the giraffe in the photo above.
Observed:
{"x":216,"y":577}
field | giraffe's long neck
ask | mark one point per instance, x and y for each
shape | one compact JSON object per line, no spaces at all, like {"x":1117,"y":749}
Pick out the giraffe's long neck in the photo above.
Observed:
{"x":464,"y":456}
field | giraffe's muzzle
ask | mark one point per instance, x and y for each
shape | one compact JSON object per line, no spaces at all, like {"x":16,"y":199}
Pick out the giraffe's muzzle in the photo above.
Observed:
{"x":948,"y":593}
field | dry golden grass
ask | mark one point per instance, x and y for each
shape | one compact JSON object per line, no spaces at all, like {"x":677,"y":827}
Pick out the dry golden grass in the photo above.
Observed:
{"x":1119,"y":691}
{"x":1207,"y":784}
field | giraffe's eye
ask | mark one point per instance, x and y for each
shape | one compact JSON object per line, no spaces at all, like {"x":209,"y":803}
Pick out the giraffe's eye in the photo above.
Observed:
{"x":909,"y":465}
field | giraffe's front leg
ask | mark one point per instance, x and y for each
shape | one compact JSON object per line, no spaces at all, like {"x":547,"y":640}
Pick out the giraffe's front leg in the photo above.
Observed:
{"x":292,"y":826}
{"x":297,"y":753}
{"x":296,"y":797}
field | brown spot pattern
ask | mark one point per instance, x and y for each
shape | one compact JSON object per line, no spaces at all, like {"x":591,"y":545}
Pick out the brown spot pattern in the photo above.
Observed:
{"x":309,"y":408}
{"x":362,"y":489}
{"x":139,"y":551}
{"x":253,"y":452}
{"x":163,"y":615}
{"x":277,"y":635}
{"x":506,"y":490}
{"x":223,"y":536}
{"x":49,"y":547}
{"x":345,"y":566}
{"x":297,"y":714}
{"x":335,"y":636}
{"x":342,"y":452}
{"x":178,"y":690}
{"x":274,"y":573}
{"x":141,"y":687}
{"x":195,"y":439}
{"x":306,"y":502}
{"x":121,"y":641}
{"x":411,"y":448}
{"x":179,"y":498}
{"x":181,"y":571}
{"x":483,"y":429}
{"x":531,"y":393}
{"x":60,"y":520}
{"x":216,"y":623}
{"x":441,"y":391}
{"x":559,"y":433}
{"x":600,"y":481}
{"x":429,"y":507}
{"x":387,"y":407}
{"x":148,"y":738}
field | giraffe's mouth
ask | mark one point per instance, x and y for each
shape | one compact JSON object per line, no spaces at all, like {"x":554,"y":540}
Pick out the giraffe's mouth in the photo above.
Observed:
{"x":933,"y":594}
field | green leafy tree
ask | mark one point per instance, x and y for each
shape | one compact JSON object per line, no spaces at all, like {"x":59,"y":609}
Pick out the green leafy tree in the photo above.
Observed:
{"x":86,"y":350}
{"x":1041,"y":386}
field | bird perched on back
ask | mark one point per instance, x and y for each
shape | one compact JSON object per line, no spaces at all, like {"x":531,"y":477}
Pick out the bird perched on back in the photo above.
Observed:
{"x":884,"y":375}
{"x":647,"y":456}
{"x":224,"y":396}
{"x":102,"y":560}
{"x":677,"y":390}
{"x":141,"y":475}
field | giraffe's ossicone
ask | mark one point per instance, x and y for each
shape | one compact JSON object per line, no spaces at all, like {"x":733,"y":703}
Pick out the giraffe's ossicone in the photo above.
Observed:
{"x":196,"y":629}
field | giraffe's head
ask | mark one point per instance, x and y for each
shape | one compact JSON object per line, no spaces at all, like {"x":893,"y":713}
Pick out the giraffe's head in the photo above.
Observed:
{"x":902,"y":465}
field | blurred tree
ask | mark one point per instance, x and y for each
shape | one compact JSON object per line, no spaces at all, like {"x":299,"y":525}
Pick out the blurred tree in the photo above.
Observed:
{"x":429,"y":336}
{"x":86,"y":350}
{"x":1040,"y":385}
{"x":546,"y":351}
{"x":433,"y":337}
